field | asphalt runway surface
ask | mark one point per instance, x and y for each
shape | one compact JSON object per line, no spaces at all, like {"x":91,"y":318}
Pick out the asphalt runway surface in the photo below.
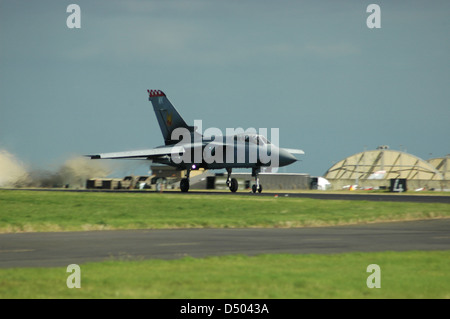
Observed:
{"x":65,"y":248}
{"x":387,"y":197}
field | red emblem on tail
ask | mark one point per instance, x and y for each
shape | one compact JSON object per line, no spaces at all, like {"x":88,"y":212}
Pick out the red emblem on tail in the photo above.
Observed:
{"x":153,"y":93}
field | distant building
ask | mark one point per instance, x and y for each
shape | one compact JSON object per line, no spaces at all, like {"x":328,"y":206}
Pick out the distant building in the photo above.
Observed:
{"x":442,"y":165}
{"x":376,"y":168}
{"x":161,"y":174}
{"x":269,"y":181}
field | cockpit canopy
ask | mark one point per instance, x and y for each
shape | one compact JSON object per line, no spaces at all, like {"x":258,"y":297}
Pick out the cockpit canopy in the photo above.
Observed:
{"x":252,"y":138}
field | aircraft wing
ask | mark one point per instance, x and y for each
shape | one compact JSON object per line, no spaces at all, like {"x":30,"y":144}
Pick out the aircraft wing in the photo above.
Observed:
{"x":140,"y":154}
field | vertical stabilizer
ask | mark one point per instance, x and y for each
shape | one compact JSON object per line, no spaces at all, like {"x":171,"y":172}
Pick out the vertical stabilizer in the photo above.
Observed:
{"x":168,"y":117}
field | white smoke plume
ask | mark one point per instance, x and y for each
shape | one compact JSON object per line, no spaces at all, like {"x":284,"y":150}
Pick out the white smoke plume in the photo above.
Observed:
{"x":11,"y":169}
{"x":73,"y":173}
{"x":77,"y":170}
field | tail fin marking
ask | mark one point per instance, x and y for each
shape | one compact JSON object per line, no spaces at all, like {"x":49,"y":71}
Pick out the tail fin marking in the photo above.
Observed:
{"x":168,"y":117}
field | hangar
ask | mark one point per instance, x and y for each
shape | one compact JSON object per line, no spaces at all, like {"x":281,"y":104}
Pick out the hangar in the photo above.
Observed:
{"x":441,"y":164}
{"x":376,"y":168}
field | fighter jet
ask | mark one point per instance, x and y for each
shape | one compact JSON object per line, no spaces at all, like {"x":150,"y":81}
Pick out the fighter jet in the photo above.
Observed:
{"x":187,"y":149}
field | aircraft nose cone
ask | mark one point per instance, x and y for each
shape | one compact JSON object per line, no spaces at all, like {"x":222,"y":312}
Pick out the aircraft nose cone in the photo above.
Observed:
{"x":286,"y":158}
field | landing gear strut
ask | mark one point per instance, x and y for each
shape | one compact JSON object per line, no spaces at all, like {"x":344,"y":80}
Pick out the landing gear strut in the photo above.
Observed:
{"x":231,"y":182}
{"x":184,"y":183}
{"x":257,"y":187}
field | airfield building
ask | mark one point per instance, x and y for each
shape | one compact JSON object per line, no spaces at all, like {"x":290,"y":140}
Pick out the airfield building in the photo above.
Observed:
{"x":378,"y":168}
{"x":442,"y":165}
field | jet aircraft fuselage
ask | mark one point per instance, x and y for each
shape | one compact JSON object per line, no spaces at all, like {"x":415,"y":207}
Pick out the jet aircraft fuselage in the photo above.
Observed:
{"x":187,"y":149}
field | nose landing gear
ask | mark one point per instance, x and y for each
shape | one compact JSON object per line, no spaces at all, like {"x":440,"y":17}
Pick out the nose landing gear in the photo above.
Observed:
{"x":257,"y":187}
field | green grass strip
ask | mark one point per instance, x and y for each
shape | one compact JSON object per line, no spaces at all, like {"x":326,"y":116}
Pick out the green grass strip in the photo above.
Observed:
{"x":27,"y":211}
{"x":413,"y":274}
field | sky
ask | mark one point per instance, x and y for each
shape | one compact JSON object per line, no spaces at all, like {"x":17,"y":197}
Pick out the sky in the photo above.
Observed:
{"x":313,"y":69}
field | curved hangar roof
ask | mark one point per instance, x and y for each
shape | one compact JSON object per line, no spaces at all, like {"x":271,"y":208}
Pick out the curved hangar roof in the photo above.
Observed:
{"x":383,"y":164}
{"x":442,"y":164}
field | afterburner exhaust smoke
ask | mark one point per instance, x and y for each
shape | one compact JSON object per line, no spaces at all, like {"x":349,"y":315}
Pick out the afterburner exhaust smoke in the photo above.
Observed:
{"x":73,"y":173}
{"x":11,"y":169}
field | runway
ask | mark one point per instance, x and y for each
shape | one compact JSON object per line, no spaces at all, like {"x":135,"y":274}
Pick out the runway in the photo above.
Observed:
{"x":388,"y":197}
{"x":64,"y":248}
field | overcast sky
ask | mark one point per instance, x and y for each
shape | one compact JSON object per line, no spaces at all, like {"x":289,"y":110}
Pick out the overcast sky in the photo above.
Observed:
{"x":313,"y":69}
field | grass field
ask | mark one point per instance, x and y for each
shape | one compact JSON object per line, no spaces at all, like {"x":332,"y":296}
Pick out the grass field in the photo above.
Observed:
{"x":403,"y":275}
{"x":28,"y":211}
{"x":416,"y":274}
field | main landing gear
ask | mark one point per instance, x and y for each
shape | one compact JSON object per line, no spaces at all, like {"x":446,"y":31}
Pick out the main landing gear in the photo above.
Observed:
{"x":257,"y":187}
{"x":184,"y":183}
{"x":231,"y":182}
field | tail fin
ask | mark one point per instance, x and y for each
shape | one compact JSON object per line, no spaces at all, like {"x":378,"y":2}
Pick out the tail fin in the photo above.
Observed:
{"x":168,"y":117}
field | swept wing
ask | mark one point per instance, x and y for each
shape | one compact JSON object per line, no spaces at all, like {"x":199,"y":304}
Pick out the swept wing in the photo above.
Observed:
{"x":140,"y":154}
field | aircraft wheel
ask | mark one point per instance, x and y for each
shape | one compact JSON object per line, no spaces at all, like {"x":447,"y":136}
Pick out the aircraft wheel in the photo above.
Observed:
{"x":254,"y":189}
{"x":260,"y":188}
{"x":234,"y":185}
{"x":184,"y":185}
